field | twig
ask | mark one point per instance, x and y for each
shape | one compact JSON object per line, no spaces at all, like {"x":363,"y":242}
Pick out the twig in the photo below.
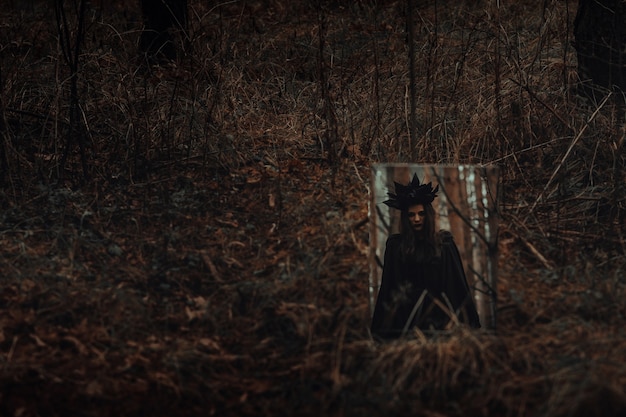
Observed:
{"x":538,"y":254}
{"x":412,"y":80}
{"x":209,"y":263}
{"x":550,"y":109}
{"x":416,"y":307}
{"x":571,"y":146}
{"x":359,"y":223}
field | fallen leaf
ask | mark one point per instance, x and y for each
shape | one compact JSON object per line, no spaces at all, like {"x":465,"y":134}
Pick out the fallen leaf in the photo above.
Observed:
{"x":94,"y":388}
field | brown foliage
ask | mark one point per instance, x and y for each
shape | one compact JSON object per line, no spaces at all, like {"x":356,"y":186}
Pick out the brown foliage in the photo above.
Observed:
{"x":215,"y":263}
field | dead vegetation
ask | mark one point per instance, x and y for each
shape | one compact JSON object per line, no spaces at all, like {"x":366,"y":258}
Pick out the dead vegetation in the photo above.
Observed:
{"x":215,"y":260}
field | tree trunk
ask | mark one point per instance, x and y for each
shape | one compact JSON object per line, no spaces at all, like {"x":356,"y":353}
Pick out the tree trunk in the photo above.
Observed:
{"x":4,"y":140}
{"x":600,"y":38}
{"x":161,"y":18}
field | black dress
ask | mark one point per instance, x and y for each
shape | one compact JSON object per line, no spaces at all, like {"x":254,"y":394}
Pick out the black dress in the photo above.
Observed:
{"x":422,"y":294}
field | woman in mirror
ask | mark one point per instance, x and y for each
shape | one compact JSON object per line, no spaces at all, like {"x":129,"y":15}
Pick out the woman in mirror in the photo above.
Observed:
{"x":423,"y":282}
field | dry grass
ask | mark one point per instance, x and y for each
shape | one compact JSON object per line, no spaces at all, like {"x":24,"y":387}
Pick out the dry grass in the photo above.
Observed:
{"x":215,"y":261}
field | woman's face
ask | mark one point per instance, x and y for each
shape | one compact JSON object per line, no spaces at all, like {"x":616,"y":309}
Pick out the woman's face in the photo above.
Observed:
{"x":417,"y":217}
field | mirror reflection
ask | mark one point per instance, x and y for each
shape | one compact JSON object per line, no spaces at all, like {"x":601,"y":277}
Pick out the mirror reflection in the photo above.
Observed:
{"x":433,"y":248}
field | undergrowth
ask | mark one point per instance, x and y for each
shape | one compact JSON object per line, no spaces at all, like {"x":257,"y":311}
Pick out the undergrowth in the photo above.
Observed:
{"x":213,"y":259}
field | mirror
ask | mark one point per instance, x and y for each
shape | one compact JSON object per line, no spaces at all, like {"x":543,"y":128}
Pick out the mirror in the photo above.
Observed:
{"x":466,"y":205}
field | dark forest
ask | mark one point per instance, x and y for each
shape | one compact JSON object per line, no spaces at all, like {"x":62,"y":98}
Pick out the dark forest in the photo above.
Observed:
{"x":184,"y":213}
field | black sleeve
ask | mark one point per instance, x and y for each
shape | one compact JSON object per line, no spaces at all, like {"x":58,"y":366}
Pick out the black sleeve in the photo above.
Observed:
{"x":381,"y":318}
{"x":456,"y":288}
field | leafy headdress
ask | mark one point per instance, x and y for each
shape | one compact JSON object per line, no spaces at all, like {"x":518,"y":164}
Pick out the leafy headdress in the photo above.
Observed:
{"x":411,"y":194}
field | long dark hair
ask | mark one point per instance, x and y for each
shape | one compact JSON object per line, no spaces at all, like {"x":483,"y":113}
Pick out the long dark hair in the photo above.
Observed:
{"x":423,"y":246}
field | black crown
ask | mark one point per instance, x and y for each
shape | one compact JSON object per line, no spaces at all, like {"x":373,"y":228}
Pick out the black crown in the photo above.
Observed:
{"x":411,"y":194}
